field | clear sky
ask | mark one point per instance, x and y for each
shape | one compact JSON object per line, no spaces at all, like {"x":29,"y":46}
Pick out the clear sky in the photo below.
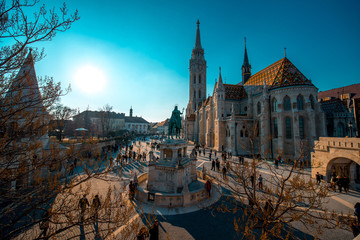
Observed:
{"x":139,"y":50}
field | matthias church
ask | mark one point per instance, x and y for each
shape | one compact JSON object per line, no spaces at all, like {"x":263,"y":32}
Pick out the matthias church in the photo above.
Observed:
{"x":272,"y":112}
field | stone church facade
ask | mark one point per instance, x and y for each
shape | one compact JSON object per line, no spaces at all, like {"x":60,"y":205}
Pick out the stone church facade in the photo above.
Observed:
{"x":274,"y":111}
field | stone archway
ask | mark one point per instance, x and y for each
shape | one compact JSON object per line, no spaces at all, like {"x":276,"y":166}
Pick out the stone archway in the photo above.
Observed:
{"x":339,"y":156}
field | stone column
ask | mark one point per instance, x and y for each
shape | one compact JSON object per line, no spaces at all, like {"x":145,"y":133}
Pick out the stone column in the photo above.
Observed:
{"x":296,"y":131}
{"x":281,"y":135}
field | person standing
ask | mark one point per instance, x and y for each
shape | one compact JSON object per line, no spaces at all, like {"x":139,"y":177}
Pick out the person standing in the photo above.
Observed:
{"x":217,"y":164}
{"x":260,"y":179}
{"x":208,"y":187}
{"x":252,"y":180}
{"x":154,"y":231}
{"x":318,"y":178}
{"x":96,"y":206}
{"x":213,"y":165}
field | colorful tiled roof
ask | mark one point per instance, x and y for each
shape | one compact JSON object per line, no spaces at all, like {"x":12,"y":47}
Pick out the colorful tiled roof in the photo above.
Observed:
{"x":234,"y":92}
{"x":279,"y":74}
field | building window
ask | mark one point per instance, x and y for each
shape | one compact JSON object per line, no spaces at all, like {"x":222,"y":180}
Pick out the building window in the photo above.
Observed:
{"x":194,"y":78}
{"x":287,"y":104}
{"x":199,"y":93}
{"x":194,"y":94}
{"x":301,"y":128}
{"x":312,"y":102}
{"x":340,"y":130}
{"x":300,"y":102}
{"x":258,"y":107}
{"x":275,"y":128}
{"x":288,"y":127}
{"x":199,"y":78}
{"x":274,"y":105}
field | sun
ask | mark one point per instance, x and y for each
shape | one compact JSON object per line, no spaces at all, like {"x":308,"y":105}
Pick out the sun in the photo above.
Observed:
{"x":90,"y":79}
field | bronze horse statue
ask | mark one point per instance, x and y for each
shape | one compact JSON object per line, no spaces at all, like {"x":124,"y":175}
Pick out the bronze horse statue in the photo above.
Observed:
{"x":175,"y":123}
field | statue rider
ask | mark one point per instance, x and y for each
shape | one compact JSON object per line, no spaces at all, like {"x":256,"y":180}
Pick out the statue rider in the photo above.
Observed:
{"x":176,"y":120}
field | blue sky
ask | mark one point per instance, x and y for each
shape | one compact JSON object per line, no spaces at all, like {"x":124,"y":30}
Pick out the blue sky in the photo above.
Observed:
{"x":141,"y":48}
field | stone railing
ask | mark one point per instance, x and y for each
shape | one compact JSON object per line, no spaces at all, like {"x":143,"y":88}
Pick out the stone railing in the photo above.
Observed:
{"x":324,"y":143}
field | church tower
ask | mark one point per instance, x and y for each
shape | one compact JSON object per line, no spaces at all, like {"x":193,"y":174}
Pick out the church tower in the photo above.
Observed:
{"x":246,"y":67}
{"x":197,"y":87}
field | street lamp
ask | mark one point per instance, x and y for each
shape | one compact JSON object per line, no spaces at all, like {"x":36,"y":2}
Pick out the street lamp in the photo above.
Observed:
{"x":350,"y":128}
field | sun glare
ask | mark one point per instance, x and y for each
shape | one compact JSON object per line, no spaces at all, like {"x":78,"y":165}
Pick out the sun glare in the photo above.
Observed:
{"x":90,"y":79}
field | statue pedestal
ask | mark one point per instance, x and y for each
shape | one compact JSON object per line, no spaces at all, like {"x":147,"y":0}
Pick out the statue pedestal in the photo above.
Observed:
{"x":173,"y":170}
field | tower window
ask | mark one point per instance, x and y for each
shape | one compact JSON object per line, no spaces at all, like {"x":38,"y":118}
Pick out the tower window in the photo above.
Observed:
{"x":199,"y":78}
{"x":194,"y":78}
{"x":199,"y":93}
{"x":259,"y":107}
{"x":194,"y":94}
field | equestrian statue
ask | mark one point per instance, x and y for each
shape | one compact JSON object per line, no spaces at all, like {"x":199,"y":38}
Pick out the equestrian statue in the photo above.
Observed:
{"x":175,"y":123}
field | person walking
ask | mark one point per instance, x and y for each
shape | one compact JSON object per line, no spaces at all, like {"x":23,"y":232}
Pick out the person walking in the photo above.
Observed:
{"x":213,"y":165}
{"x":224,"y":172}
{"x":260,"y":179}
{"x":83,"y":203}
{"x":357,"y":211}
{"x":154,"y":231}
{"x":95,"y":207}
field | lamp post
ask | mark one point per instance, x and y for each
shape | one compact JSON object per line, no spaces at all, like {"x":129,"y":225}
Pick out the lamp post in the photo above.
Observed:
{"x":350,"y":128}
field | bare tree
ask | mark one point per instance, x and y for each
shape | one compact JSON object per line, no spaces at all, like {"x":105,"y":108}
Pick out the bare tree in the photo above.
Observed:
{"x":105,"y":119}
{"x":61,"y":114}
{"x":285,"y":196}
{"x":41,"y":182}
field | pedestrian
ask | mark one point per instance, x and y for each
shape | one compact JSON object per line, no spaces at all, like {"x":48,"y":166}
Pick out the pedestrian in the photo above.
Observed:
{"x":83,"y":203}
{"x":215,"y":153}
{"x":260,"y":179}
{"x":217,"y":164}
{"x":213,"y":165}
{"x":131,"y":190}
{"x":268,"y":207}
{"x":96,"y":206}
{"x":154,"y":231}
{"x":252,"y":180}
{"x":208,"y":187}
{"x":357,"y":211}
{"x":346,"y":184}
{"x":210,"y":157}
{"x":355,"y":228}
{"x":318,"y":178}
{"x":224,"y":172}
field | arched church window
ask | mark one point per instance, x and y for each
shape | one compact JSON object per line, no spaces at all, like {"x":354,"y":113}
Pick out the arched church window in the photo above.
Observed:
{"x":274,"y":105}
{"x":301,"y":127}
{"x":194,"y":78}
{"x":199,"y":78}
{"x":259,"y":107}
{"x":199,"y":93}
{"x":245,"y":109}
{"x":275,"y":128}
{"x":288,"y":128}
{"x":241,"y":133}
{"x":312,"y":102}
{"x":287,"y":104}
{"x":246,"y":133}
{"x":300,"y":102}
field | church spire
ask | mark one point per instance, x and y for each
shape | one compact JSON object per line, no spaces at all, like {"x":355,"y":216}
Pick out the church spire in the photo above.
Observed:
{"x":246,"y":67}
{"x":197,"y":41}
{"x":220,"y":78}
